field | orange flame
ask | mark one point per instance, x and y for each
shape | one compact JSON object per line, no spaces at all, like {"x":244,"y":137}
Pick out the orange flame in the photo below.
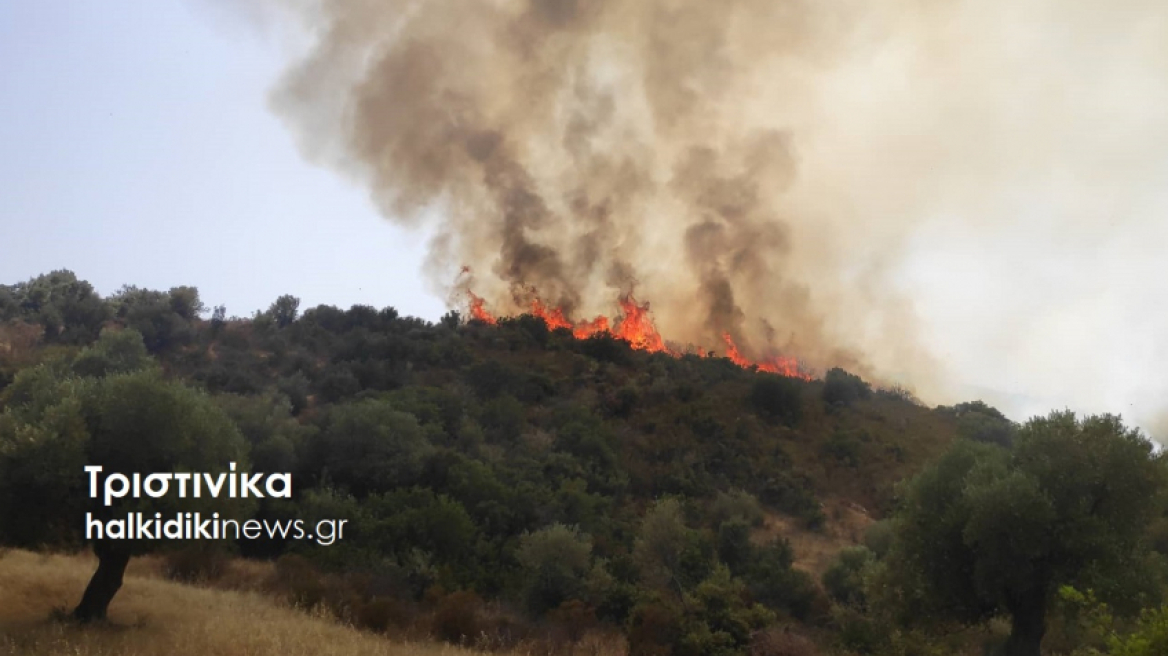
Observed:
{"x":635,"y":326}
{"x":586,"y":329}
{"x":775,"y":365}
{"x":477,"y":311}
{"x":553,"y":317}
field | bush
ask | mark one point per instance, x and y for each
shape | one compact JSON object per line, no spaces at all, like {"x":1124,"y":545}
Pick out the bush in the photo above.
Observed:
{"x":381,"y":614}
{"x":574,"y":618}
{"x":337,"y":382}
{"x":734,"y":547}
{"x":653,"y":629}
{"x":843,"y":448}
{"x":778,"y":398}
{"x":772,"y":581}
{"x":555,"y":562}
{"x":456,"y":619}
{"x":791,"y":496}
{"x":298,"y":581}
{"x":195,"y":565}
{"x":844,"y":578}
{"x":842,"y":389}
{"x":603,"y":347}
{"x":736,"y":504}
{"x":858,"y":632}
{"x":879,"y":537}
{"x":981,"y":423}
{"x":781,"y":642}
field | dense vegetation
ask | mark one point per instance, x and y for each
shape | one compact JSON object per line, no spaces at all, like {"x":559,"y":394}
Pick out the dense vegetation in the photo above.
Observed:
{"x":577,"y":482}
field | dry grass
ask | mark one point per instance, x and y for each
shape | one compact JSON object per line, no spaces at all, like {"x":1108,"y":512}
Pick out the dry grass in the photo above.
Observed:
{"x":815,"y":550}
{"x":152,"y":616}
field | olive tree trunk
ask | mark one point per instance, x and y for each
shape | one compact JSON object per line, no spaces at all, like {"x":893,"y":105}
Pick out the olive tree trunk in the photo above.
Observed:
{"x":106,"y":581}
{"x":1027,"y":624}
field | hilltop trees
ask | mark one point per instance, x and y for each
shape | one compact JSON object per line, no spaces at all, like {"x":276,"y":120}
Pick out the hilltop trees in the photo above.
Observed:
{"x":988,"y":530}
{"x":123,"y":417}
{"x":982,"y":423}
{"x":284,"y":310}
{"x":841,"y":388}
{"x":165,"y":319}
{"x":68,"y":309}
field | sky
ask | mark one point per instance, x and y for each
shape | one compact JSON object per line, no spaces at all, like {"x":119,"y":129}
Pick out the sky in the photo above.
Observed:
{"x":137,"y":146}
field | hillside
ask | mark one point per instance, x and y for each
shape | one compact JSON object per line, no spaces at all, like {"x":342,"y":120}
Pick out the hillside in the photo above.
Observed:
{"x":574,"y":482}
{"x":154,"y":616}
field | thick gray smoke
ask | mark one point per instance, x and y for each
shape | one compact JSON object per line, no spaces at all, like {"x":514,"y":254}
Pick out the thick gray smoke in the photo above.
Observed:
{"x":803,"y":174}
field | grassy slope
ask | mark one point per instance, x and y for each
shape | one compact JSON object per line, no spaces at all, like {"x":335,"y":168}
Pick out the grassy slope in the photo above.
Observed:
{"x":151,"y":616}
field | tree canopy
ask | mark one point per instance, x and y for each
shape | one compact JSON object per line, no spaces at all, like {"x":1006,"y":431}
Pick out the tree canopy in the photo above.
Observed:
{"x":112,"y":409}
{"x":987,"y":530}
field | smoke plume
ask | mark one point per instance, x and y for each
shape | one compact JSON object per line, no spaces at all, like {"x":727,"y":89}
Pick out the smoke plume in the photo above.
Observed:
{"x":782,"y":170}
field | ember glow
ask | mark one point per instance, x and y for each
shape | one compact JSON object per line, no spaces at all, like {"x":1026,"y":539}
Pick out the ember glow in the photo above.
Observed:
{"x":635,"y":326}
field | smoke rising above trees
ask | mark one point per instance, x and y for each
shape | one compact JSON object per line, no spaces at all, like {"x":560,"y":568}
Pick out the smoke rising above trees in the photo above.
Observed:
{"x":766,"y":169}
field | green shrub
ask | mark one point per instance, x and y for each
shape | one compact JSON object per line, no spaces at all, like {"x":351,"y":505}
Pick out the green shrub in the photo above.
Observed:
{"x":841,"y":388}
{"x":773,"y":581}
{"x":788,"y":494}
{"x":842,"y":448}
{"x":734,"y":547}
{"x":844,"y":578}
{"x":879,"y":537}
{"x":858,"y":632}
{"x":736,"y":504}
{"x":555,"y":562}
{"x":778,"y":398}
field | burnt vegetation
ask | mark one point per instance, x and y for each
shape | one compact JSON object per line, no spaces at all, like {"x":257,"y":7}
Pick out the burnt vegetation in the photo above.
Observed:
{"x":512,"y":479}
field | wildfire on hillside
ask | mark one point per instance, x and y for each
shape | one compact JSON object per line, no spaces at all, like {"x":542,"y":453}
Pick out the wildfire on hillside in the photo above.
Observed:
{"x":635,"y":326}
{"x":477,"y":311}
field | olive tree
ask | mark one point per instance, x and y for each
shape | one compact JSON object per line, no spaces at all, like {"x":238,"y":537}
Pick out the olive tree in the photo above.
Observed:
{"x":556,"y":561}
{"x":55,"y":423}
{"x":988,"y":530}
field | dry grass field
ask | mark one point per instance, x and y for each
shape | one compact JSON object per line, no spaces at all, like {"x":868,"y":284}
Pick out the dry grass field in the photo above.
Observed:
{"x":153,"y":617}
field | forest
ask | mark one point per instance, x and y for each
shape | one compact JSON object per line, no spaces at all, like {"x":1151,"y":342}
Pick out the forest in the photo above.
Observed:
{"x":509,"y":480}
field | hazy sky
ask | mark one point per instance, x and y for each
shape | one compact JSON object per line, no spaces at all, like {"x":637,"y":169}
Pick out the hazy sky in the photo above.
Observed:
{"x":137,"y":147}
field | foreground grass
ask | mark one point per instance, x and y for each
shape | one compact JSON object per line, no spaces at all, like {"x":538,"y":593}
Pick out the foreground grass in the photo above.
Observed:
{"x":152,"y":616}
